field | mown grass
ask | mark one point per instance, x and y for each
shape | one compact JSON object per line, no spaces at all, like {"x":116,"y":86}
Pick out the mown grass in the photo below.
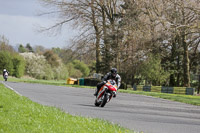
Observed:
{"x":189,"y":99}
{"x":18,"y":114}
{"x":49,"y":82}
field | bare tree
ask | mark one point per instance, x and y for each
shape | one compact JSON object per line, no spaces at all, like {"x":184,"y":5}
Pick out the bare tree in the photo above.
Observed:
{"x":5,"y":46}
{"x":181,"y":19}
{"x":123,"y":32}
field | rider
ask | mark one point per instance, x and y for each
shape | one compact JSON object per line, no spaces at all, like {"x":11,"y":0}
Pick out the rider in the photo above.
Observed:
{"x":111,"y":75}
{"x":5,"y":72}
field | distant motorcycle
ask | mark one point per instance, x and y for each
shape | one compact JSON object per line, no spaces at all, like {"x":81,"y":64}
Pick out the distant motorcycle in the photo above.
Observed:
{"x":5,"y":76}
{"x":106,"y":93}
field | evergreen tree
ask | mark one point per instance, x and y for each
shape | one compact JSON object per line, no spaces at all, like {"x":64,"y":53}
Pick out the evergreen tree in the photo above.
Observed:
{"x":29,"y":48}
{"x":21,"y":49}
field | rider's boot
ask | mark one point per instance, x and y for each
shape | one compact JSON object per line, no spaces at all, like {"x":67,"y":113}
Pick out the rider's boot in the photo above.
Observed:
{"x":96,"y":92}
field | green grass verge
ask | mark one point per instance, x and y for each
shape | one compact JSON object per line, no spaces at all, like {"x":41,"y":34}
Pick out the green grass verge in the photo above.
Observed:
{"x":49,"y":82}
{"x":189,"y":99}
{"x":18,"y":114}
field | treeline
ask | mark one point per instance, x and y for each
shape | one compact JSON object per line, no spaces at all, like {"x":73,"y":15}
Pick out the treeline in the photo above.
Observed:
{"x":40,"y":63}
{"x":155,"y":40}
{"x":10,"y":60}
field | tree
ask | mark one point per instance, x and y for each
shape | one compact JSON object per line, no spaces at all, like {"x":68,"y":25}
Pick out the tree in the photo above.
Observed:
{"x":6,"y":62}
{"x":97,"y":29}
{"x":93,"y":18}
{"x":123,"y":34}
{"x":39,"y":49}
{"x":75,"y":73}
{"x":171,"y":27}
{"x":82,"y":67}
{"x":19,"y":66}
{"x":21,"y":49}
{"x":37,"y":66}
{"x":61,"y":72}
{"x":52,"y":58}
{"x":4,"y":45}
{"x":29,"y":48}
{"x":153,"y":71}
{"x":180,"y":18}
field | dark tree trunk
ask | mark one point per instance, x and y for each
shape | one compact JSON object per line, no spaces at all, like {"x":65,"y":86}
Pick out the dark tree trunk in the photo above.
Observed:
{"x":97,"y":33}
{"x":186,"y":63}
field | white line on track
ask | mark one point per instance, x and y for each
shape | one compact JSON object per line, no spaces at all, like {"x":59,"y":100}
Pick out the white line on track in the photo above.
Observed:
{"x":10,"y":88}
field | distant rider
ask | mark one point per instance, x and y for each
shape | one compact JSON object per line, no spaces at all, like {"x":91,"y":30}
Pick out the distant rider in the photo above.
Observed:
{"x":111,"y":75}
{"x":5,"y":72}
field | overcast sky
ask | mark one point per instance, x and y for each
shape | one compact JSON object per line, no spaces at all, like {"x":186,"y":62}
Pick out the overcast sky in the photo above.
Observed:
{"x":19,"y":24}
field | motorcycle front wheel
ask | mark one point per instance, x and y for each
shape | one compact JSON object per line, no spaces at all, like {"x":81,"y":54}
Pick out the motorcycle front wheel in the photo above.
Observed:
{"x":96,"y":103}
{"x":104,"y":100}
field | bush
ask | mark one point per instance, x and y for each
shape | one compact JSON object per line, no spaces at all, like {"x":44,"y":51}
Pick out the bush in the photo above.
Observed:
{"x":73,"y":72}
{"x":19,"y":65}
{"x":6,"y":62}
{"x":82,"y":67}
{"x":60,"y":72}
{"x":38,"y":67}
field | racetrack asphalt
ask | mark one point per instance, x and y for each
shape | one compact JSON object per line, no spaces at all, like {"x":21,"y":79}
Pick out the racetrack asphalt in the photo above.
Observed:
{"x":136,"y":112}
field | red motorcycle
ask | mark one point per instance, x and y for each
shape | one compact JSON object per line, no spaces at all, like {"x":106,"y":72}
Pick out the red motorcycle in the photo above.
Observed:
{"x":106,"y":92}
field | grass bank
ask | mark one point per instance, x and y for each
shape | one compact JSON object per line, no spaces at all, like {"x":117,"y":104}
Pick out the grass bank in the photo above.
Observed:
{"x":18,"y":114}
{"x":49,"y":82}
{"x":189,"y":99}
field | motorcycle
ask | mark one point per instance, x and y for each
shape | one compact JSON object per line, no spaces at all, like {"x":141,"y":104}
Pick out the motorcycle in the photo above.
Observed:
{"x":106,"y":93}
{"x":5,"y":76}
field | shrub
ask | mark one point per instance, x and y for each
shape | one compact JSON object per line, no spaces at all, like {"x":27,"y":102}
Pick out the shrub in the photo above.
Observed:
{"x":37,"y":66}
{"x":60,"y":72}
{"x":82,"y":67}
{"x":6,"y":62}
{"x":19,"y":65}
{"x":73,"y":72}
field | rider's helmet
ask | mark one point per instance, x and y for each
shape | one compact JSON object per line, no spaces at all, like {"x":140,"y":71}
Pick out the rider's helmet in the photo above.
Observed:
{"x":4,"y":70}
{"x":113,"y":72}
